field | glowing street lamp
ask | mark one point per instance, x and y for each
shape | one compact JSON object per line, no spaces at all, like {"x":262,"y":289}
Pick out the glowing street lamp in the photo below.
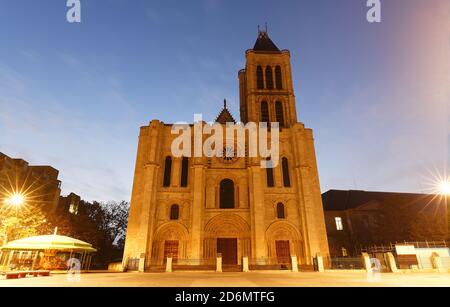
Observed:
{"x":444,"y":187}
{"x":16,"y":200}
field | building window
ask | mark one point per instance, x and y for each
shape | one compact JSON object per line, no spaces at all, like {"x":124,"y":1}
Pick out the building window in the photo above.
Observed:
{"x":184,"y":172}
{"x":286,"y":177}
{"x":269,"y":78}
{"x":73,"y":208}
{"x":280,"y":211}
{"x":344,"y":252}
{"x":269,"y":174}
{"x":339,"y":225}
{"x":259,"y":78}
{"x":227,"y":194}
{"x":174,"y":212}
{"x":279,"y":113}
{"x":265,"y":112}
{"x":167,"y":171}
{"x":278,"y":79}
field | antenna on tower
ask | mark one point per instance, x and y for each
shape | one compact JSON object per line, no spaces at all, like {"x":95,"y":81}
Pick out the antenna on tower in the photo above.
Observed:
{"x":267,"y":31}
{"x":224,"y":103}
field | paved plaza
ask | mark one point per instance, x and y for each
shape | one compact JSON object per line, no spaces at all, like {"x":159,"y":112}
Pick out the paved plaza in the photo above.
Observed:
{"x":251,"y":279}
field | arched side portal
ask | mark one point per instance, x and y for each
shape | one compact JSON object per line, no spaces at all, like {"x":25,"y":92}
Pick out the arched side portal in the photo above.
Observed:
{"x":284,"y":241}
{"x":228,"y":234}
{"x":171,"y":240}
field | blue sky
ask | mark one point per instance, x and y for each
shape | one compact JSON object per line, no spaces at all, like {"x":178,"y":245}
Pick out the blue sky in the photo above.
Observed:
{"x":74,"y":95}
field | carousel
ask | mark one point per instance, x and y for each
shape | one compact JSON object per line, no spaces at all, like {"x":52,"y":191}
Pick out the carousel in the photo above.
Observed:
{"x":50,"y":252}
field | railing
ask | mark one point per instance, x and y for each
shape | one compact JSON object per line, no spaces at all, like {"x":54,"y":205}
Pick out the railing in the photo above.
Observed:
{"x":269,"y":264}
{"x":346,"y":263}
{"x":194,"y":264}
{"x":133,"y":264}
{"x":159,"y":265}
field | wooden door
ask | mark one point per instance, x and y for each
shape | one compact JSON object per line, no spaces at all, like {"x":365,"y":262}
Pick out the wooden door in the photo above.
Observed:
{"x":228,"y":249}
{"x":171,"y":250}
{"x":283,"y":252}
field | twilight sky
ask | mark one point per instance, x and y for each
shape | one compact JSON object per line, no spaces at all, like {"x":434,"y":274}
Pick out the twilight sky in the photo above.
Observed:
{"x":73,"y":96}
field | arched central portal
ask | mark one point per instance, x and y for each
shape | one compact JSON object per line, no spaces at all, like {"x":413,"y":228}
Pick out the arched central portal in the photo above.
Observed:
{"x":229,"y":235}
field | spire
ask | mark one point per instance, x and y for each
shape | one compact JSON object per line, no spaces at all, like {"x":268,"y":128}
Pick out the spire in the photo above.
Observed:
{"x":264,"y":43}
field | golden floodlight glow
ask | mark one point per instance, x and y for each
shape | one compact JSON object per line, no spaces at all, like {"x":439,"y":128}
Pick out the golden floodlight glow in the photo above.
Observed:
{"x":444,"y":187}
{"x":16,"y":200}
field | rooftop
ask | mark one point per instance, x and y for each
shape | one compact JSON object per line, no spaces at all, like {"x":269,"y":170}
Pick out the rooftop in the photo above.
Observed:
{"x":264,"y":43}
{"x":340,"y":200}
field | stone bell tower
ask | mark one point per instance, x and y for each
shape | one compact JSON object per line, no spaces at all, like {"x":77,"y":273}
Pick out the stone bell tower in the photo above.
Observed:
{"x":266,"y":87}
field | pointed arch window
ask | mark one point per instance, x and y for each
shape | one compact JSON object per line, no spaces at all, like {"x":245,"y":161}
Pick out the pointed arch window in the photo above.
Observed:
{"x":175,"y":212}
{"x":226,"y":194}
{"x":269,"y":78}
{"x":167,"y":172}
{"x":286,"y":176}
{"x":269,"y":174}
{"x":278,"y":78}
{"x":281,"y":214}
{"x":279,"y":113}
{"x":184,"y":172}
{"x":259,"y":78}
{"x":265,"y":112}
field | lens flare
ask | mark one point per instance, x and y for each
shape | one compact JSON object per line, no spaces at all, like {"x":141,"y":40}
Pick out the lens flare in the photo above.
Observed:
{"x":444,"y":187}
{"x":16,"y":200}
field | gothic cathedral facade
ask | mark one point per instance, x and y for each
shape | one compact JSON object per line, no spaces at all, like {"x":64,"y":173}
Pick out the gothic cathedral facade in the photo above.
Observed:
{"x":192,"y":209}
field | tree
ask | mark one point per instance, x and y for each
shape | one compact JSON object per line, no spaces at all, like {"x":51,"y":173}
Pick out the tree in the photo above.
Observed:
{"x":117,"y":221}
{"x":26,"y":222}
{"x":111,"y":221}
{"x":101,"y":224}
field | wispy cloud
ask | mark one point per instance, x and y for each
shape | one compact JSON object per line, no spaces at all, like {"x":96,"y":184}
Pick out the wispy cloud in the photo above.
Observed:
{"x":78,"y":66}
{"x":10,"y":79}
{"x":30,"y":56}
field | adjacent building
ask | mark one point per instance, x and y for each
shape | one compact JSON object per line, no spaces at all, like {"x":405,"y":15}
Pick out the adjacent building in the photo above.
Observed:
{"x":69,"y":204}
{"x":358,"y":220}
{"x":193,"y":209}
{"x":39,"y":184}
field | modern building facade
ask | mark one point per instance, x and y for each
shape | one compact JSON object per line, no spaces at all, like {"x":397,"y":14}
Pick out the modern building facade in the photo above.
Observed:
{"x":193,"y":209}
{"x":359,"y":220}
